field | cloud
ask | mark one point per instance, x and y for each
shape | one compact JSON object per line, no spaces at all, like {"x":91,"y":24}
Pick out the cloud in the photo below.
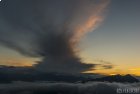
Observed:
{"x":50,"y":29}
{"x":105,"y":64}
{"x":69,"y":88}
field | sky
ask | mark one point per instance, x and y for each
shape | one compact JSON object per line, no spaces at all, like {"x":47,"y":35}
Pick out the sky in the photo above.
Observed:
{"x":117,"y":39}
{"x":113,"y":46}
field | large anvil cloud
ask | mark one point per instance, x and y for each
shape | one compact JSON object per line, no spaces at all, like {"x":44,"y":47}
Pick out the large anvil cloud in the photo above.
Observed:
{"x":50,"y":29}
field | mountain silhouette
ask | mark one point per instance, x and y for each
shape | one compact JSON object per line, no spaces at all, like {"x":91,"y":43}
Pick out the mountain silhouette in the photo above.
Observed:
{"x":9,"y":74}
{"x":117,"y":78}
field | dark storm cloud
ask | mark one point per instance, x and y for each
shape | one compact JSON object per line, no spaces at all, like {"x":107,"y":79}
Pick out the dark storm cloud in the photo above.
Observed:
{"x":70,"y":88}
{"x":50,"y":29}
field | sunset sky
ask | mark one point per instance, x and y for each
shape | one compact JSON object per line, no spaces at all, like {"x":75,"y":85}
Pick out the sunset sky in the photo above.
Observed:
{"x":115,"y":42}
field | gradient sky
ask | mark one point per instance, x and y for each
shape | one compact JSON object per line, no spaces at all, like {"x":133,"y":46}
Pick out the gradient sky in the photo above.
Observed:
{"x":115,"y":42}
{"x":117,"y":39}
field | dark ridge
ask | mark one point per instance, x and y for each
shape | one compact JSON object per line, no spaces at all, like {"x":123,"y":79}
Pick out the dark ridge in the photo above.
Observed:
{"x":9,"y":74}
{"x":118,"y":78}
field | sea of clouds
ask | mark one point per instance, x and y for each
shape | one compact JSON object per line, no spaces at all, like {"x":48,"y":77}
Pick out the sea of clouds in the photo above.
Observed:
{"x":69,"y":88}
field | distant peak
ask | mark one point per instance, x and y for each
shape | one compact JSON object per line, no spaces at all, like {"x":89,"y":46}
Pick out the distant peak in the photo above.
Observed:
{"x":118,"y":78}
{"x":128,"y":75}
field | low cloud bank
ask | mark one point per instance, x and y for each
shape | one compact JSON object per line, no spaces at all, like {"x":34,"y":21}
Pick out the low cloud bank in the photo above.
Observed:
{"x":70,"y":88}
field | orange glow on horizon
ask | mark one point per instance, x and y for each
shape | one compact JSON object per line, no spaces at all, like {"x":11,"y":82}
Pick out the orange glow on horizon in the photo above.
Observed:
{"x":115,"y":72}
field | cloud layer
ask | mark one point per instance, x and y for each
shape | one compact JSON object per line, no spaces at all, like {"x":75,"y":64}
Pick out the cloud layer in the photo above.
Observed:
{"x":69,"y":88}
{"x":50,"y":29}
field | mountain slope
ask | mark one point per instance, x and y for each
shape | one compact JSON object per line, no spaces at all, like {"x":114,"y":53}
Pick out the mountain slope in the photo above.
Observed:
{"x":118,"y":78}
